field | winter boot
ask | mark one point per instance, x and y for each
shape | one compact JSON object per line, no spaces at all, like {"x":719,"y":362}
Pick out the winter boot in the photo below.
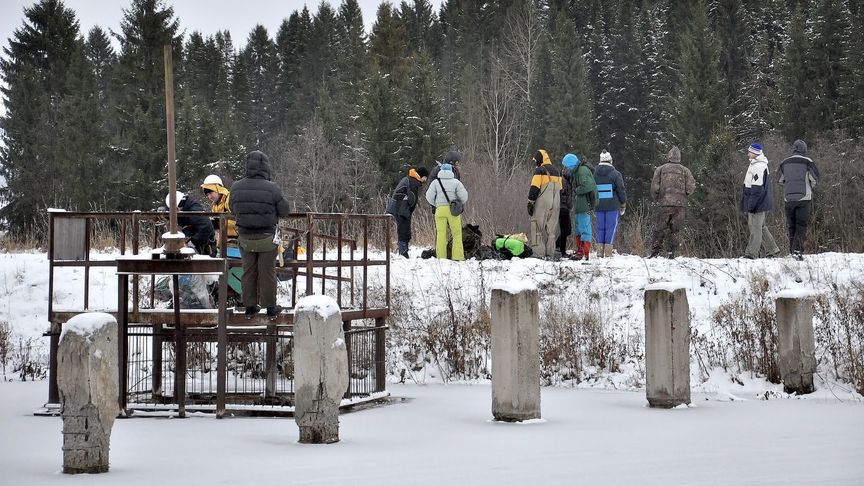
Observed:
{"x":609,"y":250}
{"x":403,"y":248}
{"x":577,"y":242}
{"x":251,"y":310}
{"x":586,"y":249}
{"x":273,"y":312}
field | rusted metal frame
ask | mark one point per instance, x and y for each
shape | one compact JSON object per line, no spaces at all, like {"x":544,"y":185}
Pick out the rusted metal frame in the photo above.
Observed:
{"x":153,"y":276}
{"x":87,"y":263}
{"x":309,"y":263}
{"x":387,"y":259}
{"x":157,"y":339}
{"x":365,"y":263}
{"x":223,"y":236}
{"x":147,"y":215}
{"x":324,"y":269}
{"x":92,"y":263}
{"x":203,"y":266}
{"x":122,"y":338}
{"x":332,"y":263}
{"x":180,"y":352}
{"x":270,"y":342}
{"x":136,"y":230}
{"x":339,"y":258}
{"x":235,"y":320}
{"x":54,"y":340}
{"x":353,"y":249}
{"x":380,"y":355}
{"x":349,"y":338}
{"x":222,"y":340}
{"x":122,"y":236}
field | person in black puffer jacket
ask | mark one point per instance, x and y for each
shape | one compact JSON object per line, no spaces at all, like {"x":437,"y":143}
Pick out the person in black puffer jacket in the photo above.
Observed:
{"x":257,"y":204}
{"x":197,"y":229}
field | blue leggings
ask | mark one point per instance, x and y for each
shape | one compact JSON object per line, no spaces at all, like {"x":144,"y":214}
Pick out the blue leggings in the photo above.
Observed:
{"x":607,"y":223}
{"x":583,"y":226}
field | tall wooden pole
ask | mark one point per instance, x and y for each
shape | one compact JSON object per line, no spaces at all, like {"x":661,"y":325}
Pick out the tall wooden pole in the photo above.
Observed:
{"x":173,"y":244}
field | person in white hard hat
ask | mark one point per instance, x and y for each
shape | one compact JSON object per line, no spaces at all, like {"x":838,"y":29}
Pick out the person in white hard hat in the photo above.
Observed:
{"x":198,"y":229}
{"x":220,"y":202}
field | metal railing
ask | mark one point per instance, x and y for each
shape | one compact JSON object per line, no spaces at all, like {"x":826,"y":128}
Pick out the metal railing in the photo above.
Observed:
{"x":259,"y":360}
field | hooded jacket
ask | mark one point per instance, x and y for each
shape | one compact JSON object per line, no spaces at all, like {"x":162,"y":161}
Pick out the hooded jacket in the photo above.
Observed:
{"x":256,"y":202}
{"x":404,"y":198}
{"x":584,"y":188}
{"x":199,"y":229}
{"x":453,"y":187}
{"x":611,"y":194}
{"x":798,"y":174}
{"x":544,"y":175}
{"x":757,"y":197}
{"x":672,"y":183}
{"x":222,"y":205}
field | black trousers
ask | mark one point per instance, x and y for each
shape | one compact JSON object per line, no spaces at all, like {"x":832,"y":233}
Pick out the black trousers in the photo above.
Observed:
{"x":565,"y":228}
{"x":797,"y":218}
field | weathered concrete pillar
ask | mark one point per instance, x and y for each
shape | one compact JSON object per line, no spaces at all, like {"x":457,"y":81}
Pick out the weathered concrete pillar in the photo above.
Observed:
{"x":515,"y":353}
{"x":795,"y":341}
{"x":320,"y":369}
{"x":667,"y":345}
{"x":87,"y":375}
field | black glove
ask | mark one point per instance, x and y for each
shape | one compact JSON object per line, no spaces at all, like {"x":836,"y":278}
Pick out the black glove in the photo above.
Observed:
{"x":530,"y":208}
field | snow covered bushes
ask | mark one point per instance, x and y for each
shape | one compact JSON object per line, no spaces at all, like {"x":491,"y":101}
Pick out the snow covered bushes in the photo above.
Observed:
{"x":840,"y":332}
{"x":747,"y":331}
{"x":5,"y":345}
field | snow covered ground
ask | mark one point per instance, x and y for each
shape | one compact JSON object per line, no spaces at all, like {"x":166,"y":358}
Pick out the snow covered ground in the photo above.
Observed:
{"x":741,"y":429}
{"x":443,"y":434}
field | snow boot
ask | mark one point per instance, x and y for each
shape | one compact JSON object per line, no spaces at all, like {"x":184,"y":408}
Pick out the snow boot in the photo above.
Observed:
{"x":251,"y":310}
{"x":577,"y":244}
{"x":273,"y":312}
{"x":586,"y":249}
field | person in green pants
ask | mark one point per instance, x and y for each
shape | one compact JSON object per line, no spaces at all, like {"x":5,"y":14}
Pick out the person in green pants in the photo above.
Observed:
{"x":444,"y":189}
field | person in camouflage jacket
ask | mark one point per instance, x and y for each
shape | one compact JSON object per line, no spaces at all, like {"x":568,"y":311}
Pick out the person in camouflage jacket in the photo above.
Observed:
{"x":671,"y":185}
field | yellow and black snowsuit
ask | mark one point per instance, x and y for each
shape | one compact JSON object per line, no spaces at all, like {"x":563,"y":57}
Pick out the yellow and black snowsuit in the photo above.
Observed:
{"x":544,"y":201}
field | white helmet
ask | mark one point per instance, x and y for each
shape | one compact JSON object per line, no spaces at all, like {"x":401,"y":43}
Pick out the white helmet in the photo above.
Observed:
{"x":213,"y":179}
{"x":179,"y":196}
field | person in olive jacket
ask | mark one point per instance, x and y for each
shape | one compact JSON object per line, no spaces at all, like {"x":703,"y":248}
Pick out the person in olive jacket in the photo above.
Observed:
{"x":402,"y":203}
{"x":257,"y":204}
{"x":585,"y":197}
{"x":612,"y":202}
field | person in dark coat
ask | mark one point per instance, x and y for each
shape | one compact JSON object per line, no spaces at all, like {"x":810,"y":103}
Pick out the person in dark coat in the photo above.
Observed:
{"x":756,"y":201}
{"x":611,"y":203}
{"x":402,"y":203}
{"x":565,"y":222}
{"x":257,"y":204}
{"x":798,"y":176}
{"x":197,"y":229}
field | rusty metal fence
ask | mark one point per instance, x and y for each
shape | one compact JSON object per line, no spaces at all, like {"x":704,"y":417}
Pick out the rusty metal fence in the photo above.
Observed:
{"x":258,"y":369}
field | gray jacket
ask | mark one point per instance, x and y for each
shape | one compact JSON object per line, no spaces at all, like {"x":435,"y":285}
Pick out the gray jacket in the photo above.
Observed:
{"x":798,"y":175}
{"x":455,"y":190}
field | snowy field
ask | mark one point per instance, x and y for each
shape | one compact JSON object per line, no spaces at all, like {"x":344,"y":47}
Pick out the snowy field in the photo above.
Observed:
{"x":442,"y":434}
{"x":740,"y":430}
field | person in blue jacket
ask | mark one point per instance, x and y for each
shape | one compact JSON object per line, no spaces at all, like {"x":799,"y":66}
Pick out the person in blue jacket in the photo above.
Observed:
{"x":611,"y":202}
{"x":756,"y":201}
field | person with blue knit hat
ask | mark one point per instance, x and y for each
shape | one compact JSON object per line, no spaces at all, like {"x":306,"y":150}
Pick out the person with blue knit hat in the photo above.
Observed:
{"x":584,"y":199}
{"x":756,"y":201}
{"x":440,"y":194}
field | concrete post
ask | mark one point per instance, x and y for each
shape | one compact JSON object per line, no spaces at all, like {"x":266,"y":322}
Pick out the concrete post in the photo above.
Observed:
{"x":515,"y":354}
{"x":87,"y":376}
{"x":320,"y":369}
{"x":795,"y":341}
{"x":667,"y":345}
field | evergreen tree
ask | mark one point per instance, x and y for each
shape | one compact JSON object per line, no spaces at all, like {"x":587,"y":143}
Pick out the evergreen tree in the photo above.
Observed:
{"x":140,"y":172}
{"x":382,"y":126}
{"x":569,"y":116}
{"x":388,"y":45}
{"x":796,"y":82}
{"x":701,"y":101}
{"x":852,"y":87}
{"x":295,"y":83}
{"x":351,"y":70}
{"x":828,"y":50}
{"x":254,"y":88}
{"x":420,"y":25}
{"x":35,"y":82}
{"x":424,"y":132}
{"x":102,"y":57}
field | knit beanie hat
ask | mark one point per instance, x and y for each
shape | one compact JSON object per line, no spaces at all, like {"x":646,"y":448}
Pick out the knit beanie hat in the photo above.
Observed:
{"x":605,"y":156}
{"x":423,"y":172}
{"x":799,"y":147}
{"x":447,"y":167}
{"x":755,"y":149}
{"x":675,"y":155}
{"x":570,"y":161}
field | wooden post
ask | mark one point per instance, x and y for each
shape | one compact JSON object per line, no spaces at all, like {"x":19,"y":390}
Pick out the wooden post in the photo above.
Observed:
{"x":173,"y":245}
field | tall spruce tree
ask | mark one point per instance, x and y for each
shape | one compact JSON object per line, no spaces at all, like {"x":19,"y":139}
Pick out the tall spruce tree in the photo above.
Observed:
{"x":569,"y":119}
{"x":796,"y":85}
{"x":828,"y":50}
{"x":35,"y":73}
{"x":295,"y":83}
{"x":425,"y":137}
{"x":852,"y":84}
{"x":138,"y":177}
{"x":254,"y":88}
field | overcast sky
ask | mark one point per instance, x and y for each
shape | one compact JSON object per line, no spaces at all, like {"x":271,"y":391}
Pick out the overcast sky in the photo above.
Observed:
{"x":206,"y":16}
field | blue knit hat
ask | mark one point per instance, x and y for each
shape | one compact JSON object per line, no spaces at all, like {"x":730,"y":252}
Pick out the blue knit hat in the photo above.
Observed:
{"x":447,"y":167}
{"x":570,"y":161}
{"x":755,"y":149}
